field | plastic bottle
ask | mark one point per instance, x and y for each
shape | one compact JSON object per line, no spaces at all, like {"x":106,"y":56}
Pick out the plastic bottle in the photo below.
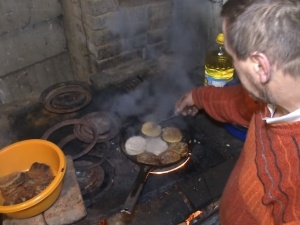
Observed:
{"x":218,"y":65}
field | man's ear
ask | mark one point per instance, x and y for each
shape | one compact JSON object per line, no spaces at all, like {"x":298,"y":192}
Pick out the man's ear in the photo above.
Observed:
{"x":261,"y":66}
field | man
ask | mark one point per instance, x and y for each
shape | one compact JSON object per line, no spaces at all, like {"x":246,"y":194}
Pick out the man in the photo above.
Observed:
{"x":263,"y":38}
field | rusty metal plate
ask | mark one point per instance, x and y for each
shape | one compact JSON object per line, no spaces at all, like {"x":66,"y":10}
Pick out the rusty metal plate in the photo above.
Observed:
{"x":106,"y":123}
{"x":66,"y":97}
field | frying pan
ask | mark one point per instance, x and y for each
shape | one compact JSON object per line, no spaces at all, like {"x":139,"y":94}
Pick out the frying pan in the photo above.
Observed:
{"x":145,"y":169}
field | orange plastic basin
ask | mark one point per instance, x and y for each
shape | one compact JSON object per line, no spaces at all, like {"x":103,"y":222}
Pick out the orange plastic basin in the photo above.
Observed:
{"x":19,"y":157}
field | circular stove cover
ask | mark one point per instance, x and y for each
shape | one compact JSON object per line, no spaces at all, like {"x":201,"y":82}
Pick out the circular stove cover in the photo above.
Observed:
{"x":66,"y":97}
{"x":107,"y":124}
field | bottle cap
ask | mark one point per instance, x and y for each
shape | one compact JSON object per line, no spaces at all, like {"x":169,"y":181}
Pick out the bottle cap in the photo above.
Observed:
{"x":220,"y":39}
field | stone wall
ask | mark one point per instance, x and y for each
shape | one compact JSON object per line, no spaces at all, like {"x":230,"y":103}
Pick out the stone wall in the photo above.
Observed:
{"x":33,"y":51}
{"x":46,"y":42}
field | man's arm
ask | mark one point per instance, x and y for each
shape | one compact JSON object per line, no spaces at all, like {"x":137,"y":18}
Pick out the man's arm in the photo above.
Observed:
{"x":230,"y":104}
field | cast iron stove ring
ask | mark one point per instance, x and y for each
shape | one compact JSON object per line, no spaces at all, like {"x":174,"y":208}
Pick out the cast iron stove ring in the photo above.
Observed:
{"x":71,"y":137}
{"x":66,"y":97}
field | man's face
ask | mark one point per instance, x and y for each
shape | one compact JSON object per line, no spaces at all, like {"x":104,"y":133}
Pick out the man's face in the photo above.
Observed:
{"x":247,"y":75}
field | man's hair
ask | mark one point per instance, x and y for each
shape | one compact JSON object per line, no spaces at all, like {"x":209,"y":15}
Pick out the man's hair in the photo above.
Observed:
{"x":271,"y":27}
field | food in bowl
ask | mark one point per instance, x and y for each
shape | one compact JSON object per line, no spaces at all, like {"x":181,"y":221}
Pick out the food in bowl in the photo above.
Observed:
{"x":12,"y":180}
{"x":20,"y":156}
{"x":151,"y":129}
{"x":19,"y":187}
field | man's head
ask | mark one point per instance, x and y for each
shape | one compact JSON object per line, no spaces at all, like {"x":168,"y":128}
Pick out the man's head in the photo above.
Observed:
{"x":262,"y":36}
{"x":271,"y":27}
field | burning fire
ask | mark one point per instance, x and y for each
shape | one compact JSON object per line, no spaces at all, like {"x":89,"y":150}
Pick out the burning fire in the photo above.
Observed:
{"x":193,"y":216}
{"x":171,"y":170}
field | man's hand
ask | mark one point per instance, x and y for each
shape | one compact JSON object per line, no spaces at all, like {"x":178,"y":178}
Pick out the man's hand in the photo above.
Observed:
{"x":186,"y":106}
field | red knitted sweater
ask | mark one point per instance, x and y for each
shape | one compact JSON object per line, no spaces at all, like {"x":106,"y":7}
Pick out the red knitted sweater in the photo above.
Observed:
{"x":264,"y":186}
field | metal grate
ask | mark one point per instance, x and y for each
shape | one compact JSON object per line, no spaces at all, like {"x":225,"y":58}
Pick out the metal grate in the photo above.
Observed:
{"x":130,"y":84}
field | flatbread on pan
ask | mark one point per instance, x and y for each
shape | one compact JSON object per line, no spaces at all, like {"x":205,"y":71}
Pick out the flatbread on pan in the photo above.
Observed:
{"x":148,"y":158}
{"x":169,"y":156}
{"x":181,"y":148}
{"x":151,"y":129}
{"x":135,"y":145}
{"x":171,"y":134}
{"x":156,"y":146}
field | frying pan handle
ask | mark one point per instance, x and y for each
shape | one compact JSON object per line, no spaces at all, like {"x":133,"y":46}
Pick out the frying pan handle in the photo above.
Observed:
{"x":136,"y":189}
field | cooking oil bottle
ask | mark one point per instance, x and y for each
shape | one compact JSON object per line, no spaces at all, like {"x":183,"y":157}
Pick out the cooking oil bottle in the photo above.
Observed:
{"x":218,"y":65}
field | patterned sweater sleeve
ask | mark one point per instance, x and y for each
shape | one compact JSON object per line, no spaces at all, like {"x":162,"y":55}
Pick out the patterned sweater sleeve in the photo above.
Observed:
{"x":230,"y":104}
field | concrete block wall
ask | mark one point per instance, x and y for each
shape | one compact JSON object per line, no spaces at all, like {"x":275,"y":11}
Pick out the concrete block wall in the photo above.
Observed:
{"x":103,"y":34}
{"x":33,"y":49}
{"x":106,"y":34}
{"x":45,"y":42}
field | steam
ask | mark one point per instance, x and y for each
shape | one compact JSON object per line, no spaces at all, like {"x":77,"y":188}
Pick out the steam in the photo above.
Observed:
{"x":155,"y":98}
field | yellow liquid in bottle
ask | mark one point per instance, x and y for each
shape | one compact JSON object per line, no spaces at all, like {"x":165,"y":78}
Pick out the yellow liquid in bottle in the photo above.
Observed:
{"x":218,"y":68}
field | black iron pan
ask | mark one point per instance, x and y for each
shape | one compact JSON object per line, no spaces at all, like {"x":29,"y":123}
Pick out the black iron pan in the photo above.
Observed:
{"x":145,"y":169}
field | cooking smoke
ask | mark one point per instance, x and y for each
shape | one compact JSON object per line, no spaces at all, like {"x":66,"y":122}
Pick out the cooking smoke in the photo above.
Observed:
{"x":154,"y":98}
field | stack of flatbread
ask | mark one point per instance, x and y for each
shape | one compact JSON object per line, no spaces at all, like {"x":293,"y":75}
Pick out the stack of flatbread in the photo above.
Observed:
{"x":19,"y":186}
